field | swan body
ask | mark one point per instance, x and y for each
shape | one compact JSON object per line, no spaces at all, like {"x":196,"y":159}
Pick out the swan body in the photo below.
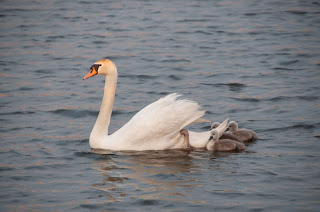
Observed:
{"x":155,"y":127}
{"x":226,"y":135}
{"x":244,"y":135}
{"x":217,"y":144}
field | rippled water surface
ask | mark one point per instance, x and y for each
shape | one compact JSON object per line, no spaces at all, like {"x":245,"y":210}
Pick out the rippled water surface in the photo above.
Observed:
{"x":256,"y":62}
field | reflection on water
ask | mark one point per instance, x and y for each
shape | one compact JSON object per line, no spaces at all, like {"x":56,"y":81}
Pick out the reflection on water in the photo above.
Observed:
{"x":155,"y":174}
{"x":186,"y":177}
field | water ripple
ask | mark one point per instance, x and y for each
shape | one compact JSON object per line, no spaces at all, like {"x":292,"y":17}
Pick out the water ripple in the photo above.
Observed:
{"x":256,"y":62}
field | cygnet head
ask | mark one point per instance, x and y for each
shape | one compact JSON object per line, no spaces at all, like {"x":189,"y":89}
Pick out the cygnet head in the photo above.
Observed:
{"x":101,"y":67}
{"x":214,"y":125}
{"x":214,"y":135}
{"x":232,"y":126}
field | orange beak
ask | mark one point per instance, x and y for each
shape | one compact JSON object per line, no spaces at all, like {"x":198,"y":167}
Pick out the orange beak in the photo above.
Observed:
{"x":91,"y":73}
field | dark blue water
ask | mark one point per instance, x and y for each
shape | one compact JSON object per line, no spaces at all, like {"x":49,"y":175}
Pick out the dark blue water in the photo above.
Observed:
{"x":257,"y":62}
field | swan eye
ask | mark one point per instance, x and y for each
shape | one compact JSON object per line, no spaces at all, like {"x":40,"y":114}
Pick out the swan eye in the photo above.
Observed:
{"x":95,"y":67}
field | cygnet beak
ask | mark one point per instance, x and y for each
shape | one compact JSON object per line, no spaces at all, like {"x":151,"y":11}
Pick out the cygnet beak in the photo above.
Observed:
{"x":211,"y":137}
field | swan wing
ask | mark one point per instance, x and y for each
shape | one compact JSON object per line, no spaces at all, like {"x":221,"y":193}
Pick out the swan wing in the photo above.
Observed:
{"x":200,"y":120}
{"x":158,"y":125}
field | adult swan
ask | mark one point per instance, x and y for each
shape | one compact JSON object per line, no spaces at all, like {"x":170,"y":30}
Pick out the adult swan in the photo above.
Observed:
{"x":155,"y":127}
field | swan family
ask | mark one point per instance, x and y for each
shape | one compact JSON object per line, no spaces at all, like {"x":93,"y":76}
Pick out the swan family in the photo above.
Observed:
{"x":158,"y":126}
{"x":218,"y":144}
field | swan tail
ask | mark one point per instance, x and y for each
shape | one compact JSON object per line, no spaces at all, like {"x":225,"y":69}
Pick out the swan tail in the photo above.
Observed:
{"x":222,"y":127}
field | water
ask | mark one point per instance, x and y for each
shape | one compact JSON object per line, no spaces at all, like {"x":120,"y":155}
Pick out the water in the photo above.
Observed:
{"x":256,"y":62}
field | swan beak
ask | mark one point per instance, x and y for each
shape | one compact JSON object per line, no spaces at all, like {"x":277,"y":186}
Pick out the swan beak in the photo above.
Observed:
{"x":211,"y":137}
{"x":91,"y":73}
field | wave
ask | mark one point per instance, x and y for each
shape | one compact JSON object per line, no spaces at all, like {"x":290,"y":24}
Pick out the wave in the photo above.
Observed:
{"x":75,"y":113}
{"x":296,"y":126}
{"x":246,"y":99}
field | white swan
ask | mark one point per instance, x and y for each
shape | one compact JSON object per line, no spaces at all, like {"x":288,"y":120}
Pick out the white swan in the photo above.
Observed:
{"x":155,"y":127}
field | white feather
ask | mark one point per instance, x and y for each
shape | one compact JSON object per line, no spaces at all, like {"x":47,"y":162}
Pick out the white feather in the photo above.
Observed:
{"x":158,"y":125}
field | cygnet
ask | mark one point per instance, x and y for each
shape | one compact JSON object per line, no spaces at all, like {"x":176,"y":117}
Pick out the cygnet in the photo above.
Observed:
{"x":223,"y":144}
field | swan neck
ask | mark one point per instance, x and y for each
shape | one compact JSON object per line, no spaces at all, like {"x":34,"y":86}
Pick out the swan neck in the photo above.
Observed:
{"x":101,"y":126}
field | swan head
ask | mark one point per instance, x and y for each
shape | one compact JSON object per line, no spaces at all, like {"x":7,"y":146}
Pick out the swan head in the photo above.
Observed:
{"x":214,"y":135}
{"x":214,"y":125}
{"x":101,"y":67}
{"x":232,"y":126}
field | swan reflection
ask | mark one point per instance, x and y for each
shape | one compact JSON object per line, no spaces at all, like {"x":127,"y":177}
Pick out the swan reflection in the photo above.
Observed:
{"x":148,"y":175}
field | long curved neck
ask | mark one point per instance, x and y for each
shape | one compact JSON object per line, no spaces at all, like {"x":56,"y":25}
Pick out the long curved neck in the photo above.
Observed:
{"x":101,"y":126}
